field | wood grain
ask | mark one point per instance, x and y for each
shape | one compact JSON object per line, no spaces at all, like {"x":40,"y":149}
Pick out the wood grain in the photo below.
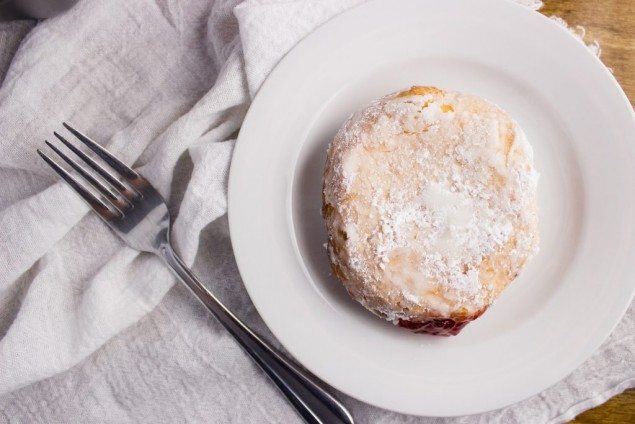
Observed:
{"x":618,"y":410}
{"x":612,"y":24}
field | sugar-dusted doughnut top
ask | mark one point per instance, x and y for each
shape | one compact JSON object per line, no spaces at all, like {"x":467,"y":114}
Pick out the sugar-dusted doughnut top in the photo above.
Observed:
{"x":430,"y":204}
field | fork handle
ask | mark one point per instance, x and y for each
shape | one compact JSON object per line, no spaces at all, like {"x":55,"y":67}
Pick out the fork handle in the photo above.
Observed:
{"x":304,"y":391}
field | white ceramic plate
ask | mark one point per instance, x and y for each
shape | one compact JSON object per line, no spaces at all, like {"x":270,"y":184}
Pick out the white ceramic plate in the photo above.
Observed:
{"x":565,"y":303}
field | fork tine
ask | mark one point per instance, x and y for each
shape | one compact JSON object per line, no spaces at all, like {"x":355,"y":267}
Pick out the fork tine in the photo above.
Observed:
{"x":114,"y":182}
{"x":99,"y":205}
{"x":112,"y":197}
{"x":111,"y":160}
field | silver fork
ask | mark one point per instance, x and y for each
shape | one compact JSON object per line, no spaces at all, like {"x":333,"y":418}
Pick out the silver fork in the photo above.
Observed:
{"x":137,"y":213}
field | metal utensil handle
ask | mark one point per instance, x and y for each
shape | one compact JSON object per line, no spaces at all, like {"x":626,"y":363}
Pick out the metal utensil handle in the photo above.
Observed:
{"x":304,"y":391}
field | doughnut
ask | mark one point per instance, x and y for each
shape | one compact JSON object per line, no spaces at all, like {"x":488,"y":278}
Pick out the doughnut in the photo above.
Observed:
{"x":429,"y":201}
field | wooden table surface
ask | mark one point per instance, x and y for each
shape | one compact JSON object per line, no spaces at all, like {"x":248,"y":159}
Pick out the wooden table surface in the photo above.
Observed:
{"x":612,"y":24}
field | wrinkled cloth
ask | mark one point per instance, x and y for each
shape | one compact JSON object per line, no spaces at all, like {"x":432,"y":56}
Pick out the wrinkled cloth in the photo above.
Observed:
{"x":93,"y":331}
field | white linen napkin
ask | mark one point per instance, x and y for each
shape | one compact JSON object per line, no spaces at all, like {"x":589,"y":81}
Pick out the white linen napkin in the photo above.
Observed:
{"x":165,"y":85}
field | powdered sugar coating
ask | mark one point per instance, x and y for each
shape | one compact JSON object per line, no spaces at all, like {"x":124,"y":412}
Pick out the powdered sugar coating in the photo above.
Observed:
{"x":430,"y":204}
